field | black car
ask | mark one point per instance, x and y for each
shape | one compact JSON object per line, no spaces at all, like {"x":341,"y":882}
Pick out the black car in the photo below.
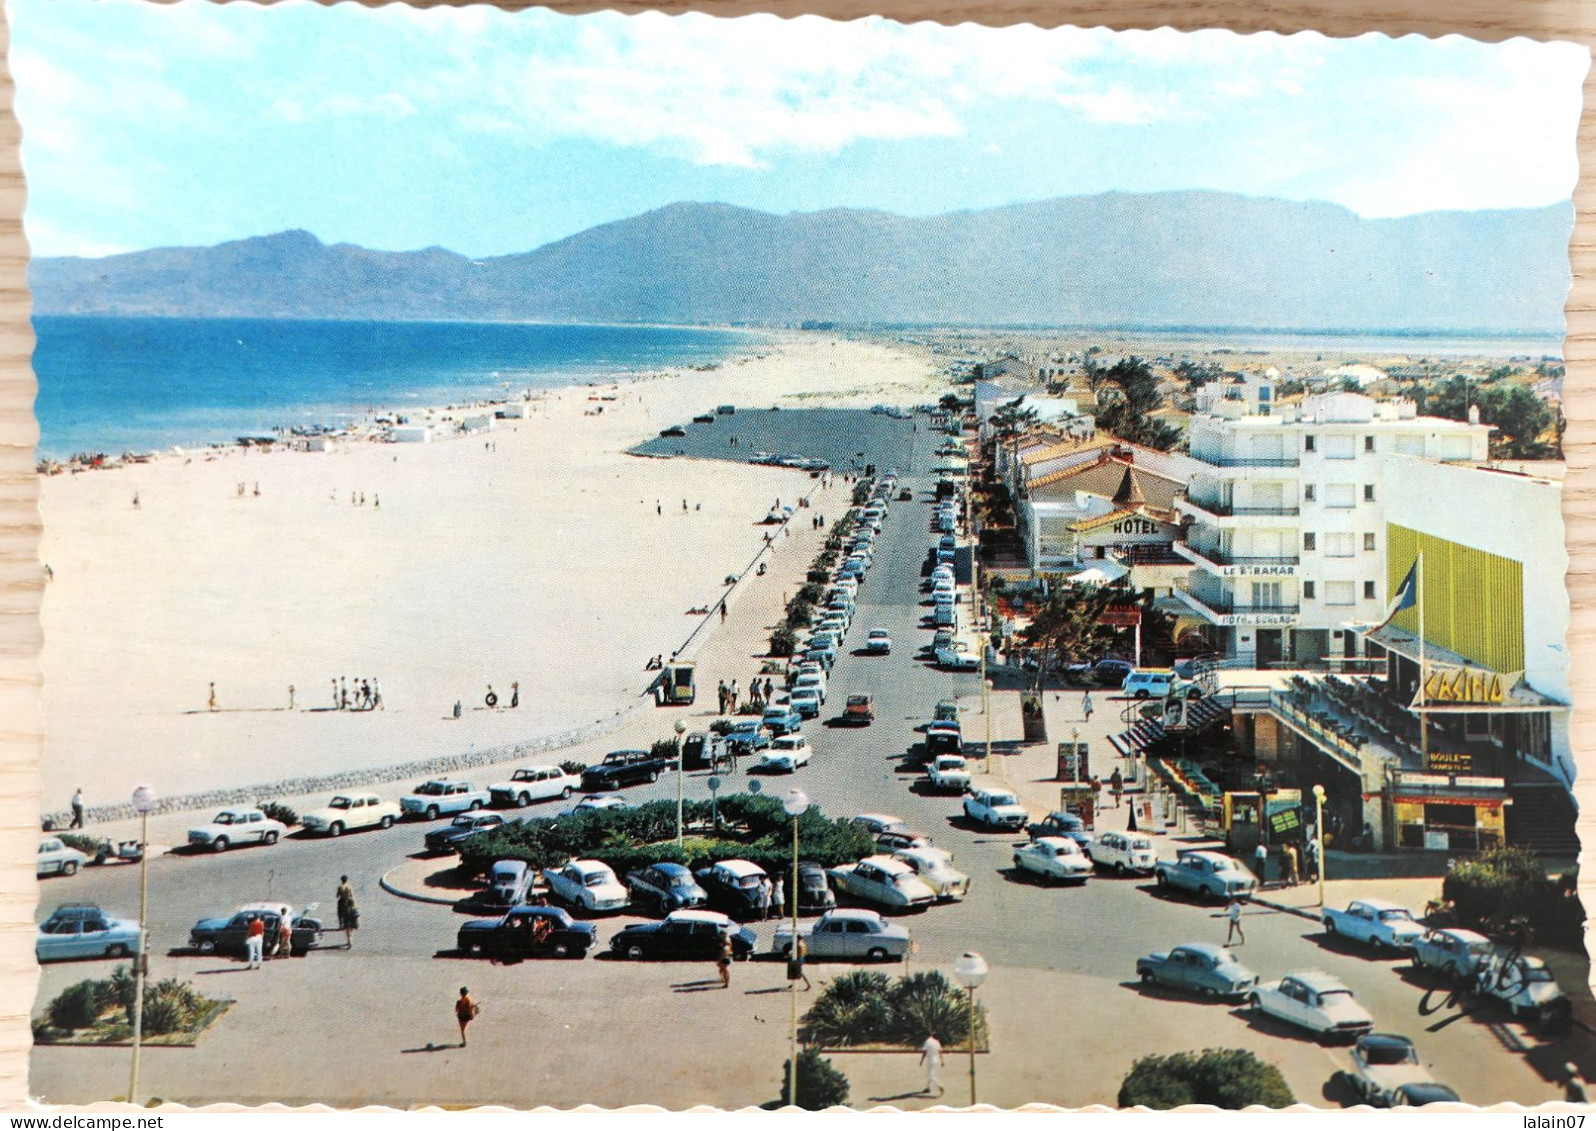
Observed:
{"x":740,"y":889}
{"x":1066,"y":825}
{"x":625,"y":767}
{"x":683,"y":935}
{"x":665,"y":887}
{"x":527,"y":932}
{"x":814,"y":891}
{"x":226,"y":935}
{"x":462,"y":828}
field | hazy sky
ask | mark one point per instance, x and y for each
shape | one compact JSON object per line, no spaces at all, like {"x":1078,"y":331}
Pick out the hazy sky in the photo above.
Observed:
{"x":488,"y":132}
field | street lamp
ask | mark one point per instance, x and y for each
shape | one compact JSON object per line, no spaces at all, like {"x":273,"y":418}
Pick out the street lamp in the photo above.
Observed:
{"x":970,"y":970}
{"x":1318,"y":832}
{"x":796,"y":803}
{"x":681,"y":771}
{"x":144,"y":801}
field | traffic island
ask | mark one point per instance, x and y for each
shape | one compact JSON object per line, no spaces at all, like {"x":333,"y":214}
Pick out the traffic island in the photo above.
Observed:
{"x":99,"y":1012}
{"x":430,"y":881}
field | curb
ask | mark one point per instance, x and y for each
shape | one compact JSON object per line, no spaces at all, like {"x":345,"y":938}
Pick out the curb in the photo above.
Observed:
{"x":394,"y":889}
{"x":1286,"y":907}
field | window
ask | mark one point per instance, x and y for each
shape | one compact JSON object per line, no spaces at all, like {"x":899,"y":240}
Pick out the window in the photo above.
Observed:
{"x":1343,"y":495}
{"x":1308,"y":490}
{"x":1339,"y":545}
{"x":1308,"y":444}
{"x":1339,"y":593}
{"x":1340,"y":447}
{"x":1310,"y":541}
{"x":1368,"y":590}
{"x":1368,"y":492}
{"x":1307,"y":590}
{"x":1368,"y":541}
{"x":1368,"y":443}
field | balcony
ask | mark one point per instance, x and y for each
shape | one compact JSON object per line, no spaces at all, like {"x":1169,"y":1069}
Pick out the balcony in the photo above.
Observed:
{"x":1222,"y":564}
{"x":1227,"y":514}
{"x":1218,"y":606}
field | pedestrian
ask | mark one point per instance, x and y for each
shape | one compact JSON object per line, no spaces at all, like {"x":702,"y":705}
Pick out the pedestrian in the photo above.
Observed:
{"x":285,"y":938}
{"x":1233,"y":915}
{"x":1261,"y":856}
{"x":290,"y":697}
{"x":213,"y":697}
{"x":732,"y":692}
{"x":257,"y":490}
{"x":343,"y":694}
{"x":376,"y":694}
{"x":515,"y":693}
{"x":1116,"y":785}
{"x":684,"y":506}
{"x":466,"y":1010}
{"x":335,"y":694}
{"x":795,"y":964}
{"x":376,"y":503}
{"x":931,"y":1057}
{"x":778,"y":904}
{"x":1086,"y":704}
{"x":1573,"y":1084}
{"x":658,"y":509}
{"x":365,"y":695}
{"x":1290,"y":854}
{"x":1097,"y":792}
{"x":720,"y":695}
{"x":1312,"y":858}
{"x":348,"y":913}
{"x":723,"y":612}
{"x":723,"y":961}
{"x":135,"y":500}
{"x":769,"y":689}
{"x":254,"y":940}
{"x":77,"y":809}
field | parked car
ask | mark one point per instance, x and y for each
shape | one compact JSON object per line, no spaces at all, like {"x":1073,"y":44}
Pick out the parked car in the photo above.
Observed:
{"x":82,"y":930}
{"x":625,"y":767}
{"x":935,"y":868}
{"x":1054,"y":858}
{"x":56,"y":859}
{"x":1451,"y":951}
{"x":946,"y":711}
{"x":1148,"y":684}
{"x":958,"y":657}
{"x":787,"y":754}
{"x":859,"y":709}
{"x":508,"y":883}
{"x":878,"y":823}
{"x":527,"y":932}
{"x":814,"y":680}
{"x":814,"y":888}
{"x":689,"y":934}
{"x":597,"y":803}
{"x":431,"y":799}
{"x":1378,"y":922}
{"x":746,"y":737}
{"x":948,"y":773}
{"x":892,"y":840}
{"x":236,"y":826}
{"x":1385,"y":1071}
{"x":1202,"y":968}
{"x":943,"y":738}
{"x":1111,"y":672}
{"x":1210,"y":875}
{"x":1313,"y":1001}
{"x":665,"y":888}
{"x":848,"y":934}
{"x":226,"y":934}
{"x":350,"y":811}
{"x":885,"y":881}
{"x":737,"y":887}
{"x":467,"y":825}
{"x":995,"y":809}
{"x":533,"y":783}
{"x":878,"y":642}
{"x":1124,"y":853}
{"x":781,"y":719}
{"x":806,"y":701}
{"x":1524,"y":984}
{"x":587,"y":884}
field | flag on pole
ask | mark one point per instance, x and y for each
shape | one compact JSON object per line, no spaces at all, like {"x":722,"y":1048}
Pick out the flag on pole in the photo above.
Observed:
{"x":1407,"y":595}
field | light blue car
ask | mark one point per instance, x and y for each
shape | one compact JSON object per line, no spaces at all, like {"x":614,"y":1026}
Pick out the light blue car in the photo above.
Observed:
{"x":82,"y":930}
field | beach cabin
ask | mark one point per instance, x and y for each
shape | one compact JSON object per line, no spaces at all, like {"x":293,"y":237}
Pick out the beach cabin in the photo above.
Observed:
{"x":318,"y":443}
{"x":411,"y":434}
{"x":511,"y":412}
{"x":477,"y":424}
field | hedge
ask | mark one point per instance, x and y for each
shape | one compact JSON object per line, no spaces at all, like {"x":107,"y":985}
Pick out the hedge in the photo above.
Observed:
{"x":1227,"y":1078}
{"x":1504,"y":884}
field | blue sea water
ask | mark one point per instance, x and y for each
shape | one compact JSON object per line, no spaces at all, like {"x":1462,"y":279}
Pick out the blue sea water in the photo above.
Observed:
{"x":142,"y":384}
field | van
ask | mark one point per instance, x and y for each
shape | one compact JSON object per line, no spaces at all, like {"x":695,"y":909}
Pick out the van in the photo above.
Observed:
{"x":1149,"y":684}
{"x":947,"y":616}
{"x":508,"y":883}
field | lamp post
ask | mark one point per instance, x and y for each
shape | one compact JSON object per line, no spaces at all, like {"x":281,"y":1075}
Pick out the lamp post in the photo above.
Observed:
{"x":796,"y":803}
{"x":970,"y":970}
{"x":681,"y":772}
{"x":144,"y":800}
{"x":1318,"y":833}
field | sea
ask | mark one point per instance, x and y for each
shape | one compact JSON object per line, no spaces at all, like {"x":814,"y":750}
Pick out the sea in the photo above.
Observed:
{"x":114,"y":385}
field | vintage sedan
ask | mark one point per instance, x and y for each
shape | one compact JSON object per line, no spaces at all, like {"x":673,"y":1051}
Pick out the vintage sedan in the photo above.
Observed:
{"x":462,"y":828}
{"x":860,"y":710}
{"x":665,"y":888}
{"x":806,"y":701}
{"x":597,"y":803}
{"x":350,"y":811}
{"x":738,"y":887}
{"x":781,"y":719}
{"x":878,"y":642}
{"x":747,"y":737}
{"x":1313,"y":1001}
{"x":948,"y":773}
{"x":786,"y":755}
{"x":57,"y":859}
{"x":1201,"y":968}
{"x":995,"y":809}
{"x":884,"y":881}
{"x":1054,"y":858}
{"x":533,"y":783}
{"x":691,"y":934}
{"x":1526,"y":986}
{"x":935,"y":868}
{"x":1451,"y":952}
{"x":82,"y":930}
{"x":1060,"y":823}
{"x":587,"y":884}
{"x":430,"y":799}
{"x":848,"y":934}
{"x":1380,"y":923}
{"x":226,"y":934}
{"x":877,"y":823}
{"x":527,"y":931}
{"x":1208,"y":875}
{"x":1124,"y":853}
{"x":1385,"y":1070}
{"x":237,"y":826}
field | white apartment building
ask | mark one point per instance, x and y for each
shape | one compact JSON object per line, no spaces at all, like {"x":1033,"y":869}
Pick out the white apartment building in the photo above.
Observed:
{"x":1287,"y":514}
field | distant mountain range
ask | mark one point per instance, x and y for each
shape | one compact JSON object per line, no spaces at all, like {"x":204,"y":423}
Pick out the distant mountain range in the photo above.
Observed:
{"x":1158,"y":259}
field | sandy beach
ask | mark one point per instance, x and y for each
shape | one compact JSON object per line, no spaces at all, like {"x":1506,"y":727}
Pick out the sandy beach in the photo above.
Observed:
{"x":539,"y":553}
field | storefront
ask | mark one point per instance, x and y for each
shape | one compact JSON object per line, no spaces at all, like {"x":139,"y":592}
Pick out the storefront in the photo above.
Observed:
{"x":1446,"y":812}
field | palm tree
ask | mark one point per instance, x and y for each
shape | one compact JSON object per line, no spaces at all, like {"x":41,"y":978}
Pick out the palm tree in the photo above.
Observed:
{"x":1067,"y":624}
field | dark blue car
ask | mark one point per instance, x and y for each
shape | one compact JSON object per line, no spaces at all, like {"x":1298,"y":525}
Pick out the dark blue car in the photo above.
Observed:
{"x":665,"y":888}
{"x":1066,"y":825}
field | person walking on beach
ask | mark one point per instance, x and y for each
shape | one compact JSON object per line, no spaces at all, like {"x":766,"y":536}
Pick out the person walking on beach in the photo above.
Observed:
{"x":365,"y":695}
{"x":348,"y":913}
{"x":1086,"y":705}
{"x":723,"y":961}
{"x":213,"y":697}
{"x":515,"y":694}
{"x":720,"y":695}
{"x":290,"y":697}
{"x":1233,"y":918}
{"x":657,"y":508}
{"x":466,"y":1010}
{"x":723,"y":612}
{"x":376,"y":694}
{"x":135,"y":500}
{"x":254,"y":941}
{"x":343,"y":693}
{"x":733,"y":693}
{"x":931,"y":1057}
{"x":335,"y":694}
{"x":77,"y":809}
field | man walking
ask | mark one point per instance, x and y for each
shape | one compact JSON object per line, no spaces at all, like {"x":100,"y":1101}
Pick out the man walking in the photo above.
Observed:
{"x":77,"y":809}
{"x":1086,"y":705}
{"x":254,"y":942}
{"x":1260,"y":857}
{"x":465,"y":1011}
{"x":1116,"y":785}
{"x":931,"y":1057}
{"x":723,"y":962}
{"x":285,"y":938}
{"x":1290,"y":853}
{"x":795,"y":964}
{"x":1233,"y":914}
{"x":348,"y":913}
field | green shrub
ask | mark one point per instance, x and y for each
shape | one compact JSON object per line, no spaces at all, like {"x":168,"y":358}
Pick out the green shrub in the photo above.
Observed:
{"x":277,"y":811}
{"x":811,"y":592}
{"x":88,"y":845}
{"x":1508,"y":883}
{"x":79,"y":1005}
{"x":865,"y":1007}
{"x":1226,"y":1078}
{"x":852,"y":1010}
{"x":575,"y":769}
{"x":664,"y":748}
{"x":820,"y":1083}
{"x":783,"y":642}
{"x":720,"y":726}
{"x":927,"y":1002}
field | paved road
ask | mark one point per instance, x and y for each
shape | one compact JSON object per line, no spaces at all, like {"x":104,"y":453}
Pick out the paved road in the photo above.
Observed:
{"x":371,"y":1024}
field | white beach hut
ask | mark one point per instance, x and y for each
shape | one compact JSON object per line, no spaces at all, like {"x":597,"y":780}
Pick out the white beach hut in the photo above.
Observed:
{"x":411,"y":434}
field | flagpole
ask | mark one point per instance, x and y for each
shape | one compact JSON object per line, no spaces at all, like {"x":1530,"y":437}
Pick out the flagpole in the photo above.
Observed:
{"x":1424,"y":722}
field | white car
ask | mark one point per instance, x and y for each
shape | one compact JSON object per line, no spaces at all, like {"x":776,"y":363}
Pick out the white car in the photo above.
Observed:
{"x":885,"y":881}
{"x":846,"y":933}
{"x":350,"y":811}
{"x":786,"y":754}
{"x":533,"y":783}
{"x":1526,"y":986}
{"x":597,"y":802}
{"x":878,"y":823}
{"x":1316,"y":1002}
{"x":237,"y":826}
{"x":948,"y":773}
{"x":56,"y":859}
{"x":1054,"y":858}
{"x":1125,"y":853}
{"x":811,"y":681}
{"x":1387,"y":1072}
{"x":587,"y":884}
{"x":1378,"y":922}
{"x":995,"y":809}
{"x":935,"y":868}
{"x":878,"y":642}
{"x":432,"y":798}
{"x":958,"y":657}
{"x":806,"y":702}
